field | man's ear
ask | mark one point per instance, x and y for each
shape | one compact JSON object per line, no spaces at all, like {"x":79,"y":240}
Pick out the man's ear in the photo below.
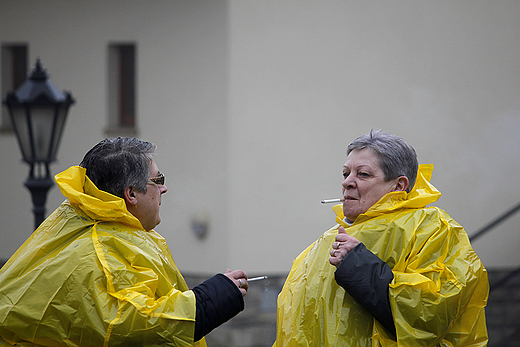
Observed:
{"x":401,"y":184}
{"x":130,"y":196}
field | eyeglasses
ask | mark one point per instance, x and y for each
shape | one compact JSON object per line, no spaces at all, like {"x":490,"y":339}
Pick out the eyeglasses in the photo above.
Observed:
{"x":159,"y":180}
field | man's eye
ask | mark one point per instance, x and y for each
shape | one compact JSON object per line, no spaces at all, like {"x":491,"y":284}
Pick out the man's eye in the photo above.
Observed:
{"x":345,"y":174}
{"x":363,"y":174}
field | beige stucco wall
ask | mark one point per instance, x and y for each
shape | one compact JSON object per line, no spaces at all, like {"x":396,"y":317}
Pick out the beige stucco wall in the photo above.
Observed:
{"x":253,"y":103}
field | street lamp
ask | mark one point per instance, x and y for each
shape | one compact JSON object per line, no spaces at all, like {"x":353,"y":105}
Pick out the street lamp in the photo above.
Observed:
{"x":38,"y":111}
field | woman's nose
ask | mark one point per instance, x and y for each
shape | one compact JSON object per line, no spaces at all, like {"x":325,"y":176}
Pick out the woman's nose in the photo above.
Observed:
{"x":348,"y":182}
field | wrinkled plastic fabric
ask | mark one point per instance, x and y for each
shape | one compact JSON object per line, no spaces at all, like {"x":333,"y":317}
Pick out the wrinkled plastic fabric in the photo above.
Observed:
{"x":437,"y":296}
{"x":90,"y":275}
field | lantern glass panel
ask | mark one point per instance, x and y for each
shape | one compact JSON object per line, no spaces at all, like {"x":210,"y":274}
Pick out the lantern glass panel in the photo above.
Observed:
{"x":42,"y":122}
{"x":59,"y":126}
{"x":19,"y":118}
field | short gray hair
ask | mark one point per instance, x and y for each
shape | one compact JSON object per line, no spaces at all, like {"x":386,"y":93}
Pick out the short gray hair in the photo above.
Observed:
{"x":396,"y":157}
{"x":115,"y":164}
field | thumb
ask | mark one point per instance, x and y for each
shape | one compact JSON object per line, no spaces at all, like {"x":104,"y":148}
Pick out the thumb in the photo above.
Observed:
{"x":341,"y":230}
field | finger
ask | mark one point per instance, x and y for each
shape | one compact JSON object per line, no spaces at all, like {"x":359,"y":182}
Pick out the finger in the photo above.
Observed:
{"x":243,"y":286}
{"x":236,"y":274}
{"x":334,"y":261}
{"x":342,"y":235}
{"x":239,"y":274}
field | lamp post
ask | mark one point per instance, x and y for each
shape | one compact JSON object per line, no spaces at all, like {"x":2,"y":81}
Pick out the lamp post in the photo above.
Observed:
{"x":38,"y":111}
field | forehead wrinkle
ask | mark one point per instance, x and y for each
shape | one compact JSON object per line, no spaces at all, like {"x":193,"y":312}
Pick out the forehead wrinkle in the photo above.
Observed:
{"x":360,"y":166}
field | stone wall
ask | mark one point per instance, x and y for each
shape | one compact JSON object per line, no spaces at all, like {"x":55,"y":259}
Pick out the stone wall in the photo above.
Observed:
{"x":503,"y":310}
{"x":256,"y":325}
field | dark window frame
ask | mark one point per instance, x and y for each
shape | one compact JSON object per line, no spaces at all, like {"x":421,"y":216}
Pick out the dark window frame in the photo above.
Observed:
{"x":122,"y":88}
{"x":15,"y":63}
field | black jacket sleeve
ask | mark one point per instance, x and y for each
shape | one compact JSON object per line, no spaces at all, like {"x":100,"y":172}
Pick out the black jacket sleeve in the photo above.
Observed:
{"x":218,"y":300}
{"x":366,"y":278}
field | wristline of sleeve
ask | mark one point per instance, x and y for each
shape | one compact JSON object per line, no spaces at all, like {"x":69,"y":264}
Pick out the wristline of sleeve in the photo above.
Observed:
{"x":218,"y":300}
{"x":366,"y":278}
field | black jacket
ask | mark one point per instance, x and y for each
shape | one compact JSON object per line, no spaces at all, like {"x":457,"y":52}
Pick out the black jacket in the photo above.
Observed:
{"x":218,"y":300}
{"x":366,"y":278}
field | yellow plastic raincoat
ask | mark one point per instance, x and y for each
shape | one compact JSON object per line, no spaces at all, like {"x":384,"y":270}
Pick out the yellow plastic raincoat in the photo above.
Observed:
{"x":90,"y":275}
{"x":437,"y":296}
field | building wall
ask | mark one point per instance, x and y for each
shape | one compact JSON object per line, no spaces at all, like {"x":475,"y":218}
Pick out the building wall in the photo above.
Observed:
{"x":253,"y":103}
{"x":182,"y":106}
{"x":308,"y":78}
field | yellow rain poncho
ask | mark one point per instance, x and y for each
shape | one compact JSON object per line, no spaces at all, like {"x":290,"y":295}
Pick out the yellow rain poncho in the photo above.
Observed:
{"x":437,"y":296}
{"x":91,"y":276}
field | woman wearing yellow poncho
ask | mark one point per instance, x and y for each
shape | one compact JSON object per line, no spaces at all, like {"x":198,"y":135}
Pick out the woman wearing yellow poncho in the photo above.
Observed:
{"x":393,"y":272}
{"x":96,"y":274}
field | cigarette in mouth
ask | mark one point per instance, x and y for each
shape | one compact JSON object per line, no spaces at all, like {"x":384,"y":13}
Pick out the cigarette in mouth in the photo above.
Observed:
{"x":257,"y":278}
{"x":328,"y":201}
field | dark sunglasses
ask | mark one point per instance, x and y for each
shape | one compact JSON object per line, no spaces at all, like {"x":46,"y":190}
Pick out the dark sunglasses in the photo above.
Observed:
{"x":159,"y":180}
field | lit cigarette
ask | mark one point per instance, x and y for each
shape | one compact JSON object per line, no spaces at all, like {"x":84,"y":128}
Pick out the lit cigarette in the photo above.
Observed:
{"x":257,"y":278}
{"x":332,"y":201}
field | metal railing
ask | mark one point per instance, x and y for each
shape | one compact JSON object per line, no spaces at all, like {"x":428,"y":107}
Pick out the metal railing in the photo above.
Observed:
{"x":510,"y":330}
{"x":491,"y":225}
{"x":495,"y":223}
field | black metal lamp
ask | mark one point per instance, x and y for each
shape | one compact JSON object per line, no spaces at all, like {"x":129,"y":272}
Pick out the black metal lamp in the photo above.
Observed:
{"x":38,"y":111}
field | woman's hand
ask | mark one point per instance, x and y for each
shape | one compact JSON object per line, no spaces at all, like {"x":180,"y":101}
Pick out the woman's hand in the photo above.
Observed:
{"x":238,"y":277}
{"x":342,"y":246}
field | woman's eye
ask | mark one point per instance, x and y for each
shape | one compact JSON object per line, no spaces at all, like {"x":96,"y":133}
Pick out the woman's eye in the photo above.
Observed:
{"x":363,"y":174}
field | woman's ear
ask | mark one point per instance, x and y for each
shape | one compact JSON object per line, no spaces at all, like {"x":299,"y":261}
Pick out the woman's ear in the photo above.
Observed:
{"x":401,"y":184}
{"x":130,"y":196}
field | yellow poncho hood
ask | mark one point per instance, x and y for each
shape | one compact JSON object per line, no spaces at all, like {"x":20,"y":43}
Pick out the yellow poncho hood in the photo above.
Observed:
{"x":91,"y":276}
{"x":437,"y":296}
{"x":96,"y":204}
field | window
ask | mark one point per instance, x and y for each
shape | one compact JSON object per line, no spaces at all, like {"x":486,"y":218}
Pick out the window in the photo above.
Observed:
{"x":14,"y":73}
{"x":122,"y":87}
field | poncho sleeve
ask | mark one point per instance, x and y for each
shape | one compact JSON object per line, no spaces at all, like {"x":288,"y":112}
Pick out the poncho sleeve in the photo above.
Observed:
{"x":439,"y":291}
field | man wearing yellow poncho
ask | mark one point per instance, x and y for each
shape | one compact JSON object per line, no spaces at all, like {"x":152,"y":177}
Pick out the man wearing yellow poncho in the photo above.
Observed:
{"x":393,"y":272}
{"x":96,"y":274}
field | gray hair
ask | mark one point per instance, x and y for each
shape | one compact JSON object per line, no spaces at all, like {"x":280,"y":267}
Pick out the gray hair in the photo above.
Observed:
{"x":396,"y":157}
{"x":115,"y":164}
